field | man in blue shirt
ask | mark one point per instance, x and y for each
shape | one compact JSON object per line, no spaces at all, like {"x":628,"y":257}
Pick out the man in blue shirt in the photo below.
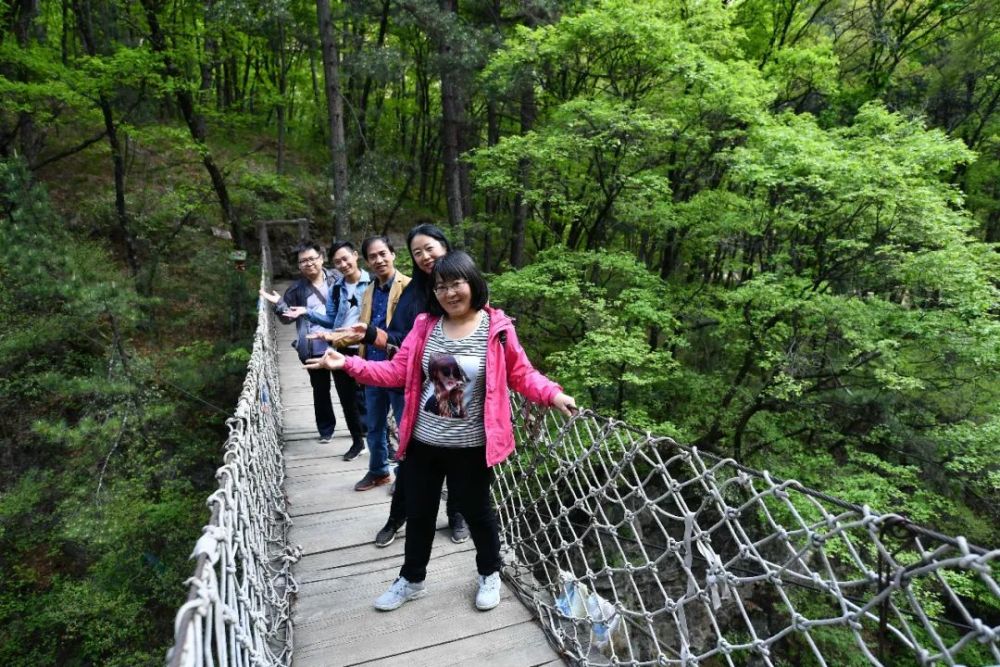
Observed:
{"x":343,"y":307}
{"x":377,"y":309}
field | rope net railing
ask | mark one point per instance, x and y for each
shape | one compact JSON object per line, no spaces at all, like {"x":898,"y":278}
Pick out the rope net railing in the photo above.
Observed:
{"x":238,"y":606}
{"x":634,"y":550}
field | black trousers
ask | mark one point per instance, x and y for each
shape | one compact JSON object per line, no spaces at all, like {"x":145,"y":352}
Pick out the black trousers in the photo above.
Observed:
{"x":397,"y":509}
{"x":469,"y":482}
{"x":347,"y":391}
{"x":326,"y":421}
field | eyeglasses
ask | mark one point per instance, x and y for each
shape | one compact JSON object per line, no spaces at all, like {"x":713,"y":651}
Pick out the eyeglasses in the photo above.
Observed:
{"x":309,"y":260}
{"x":454,"y":286}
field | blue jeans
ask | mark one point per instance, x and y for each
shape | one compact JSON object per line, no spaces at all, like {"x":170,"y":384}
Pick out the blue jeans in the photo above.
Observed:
{"x":377,"y":403}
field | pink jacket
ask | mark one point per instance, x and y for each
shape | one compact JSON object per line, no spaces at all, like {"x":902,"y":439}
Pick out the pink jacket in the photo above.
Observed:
{"x":506,"y":366}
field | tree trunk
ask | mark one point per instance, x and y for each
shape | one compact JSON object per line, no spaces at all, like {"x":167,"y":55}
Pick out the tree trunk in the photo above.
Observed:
{"x":84,"y":20}
{"x":25,"y":12}
{"x":335,"y":112}
{"x":367,"y":142}
{"x":64,"y":38}
{"x":451,"y":121}
{"x":492,"y":204}
{"x":524,"y":167}
{"x":282,"y":90}
{"x":118,"y":161}
{"x":195,"y":123}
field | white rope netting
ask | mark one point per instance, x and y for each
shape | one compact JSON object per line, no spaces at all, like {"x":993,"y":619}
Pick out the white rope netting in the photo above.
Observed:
{"x":237,"y":612}
{"x":635,"y":550}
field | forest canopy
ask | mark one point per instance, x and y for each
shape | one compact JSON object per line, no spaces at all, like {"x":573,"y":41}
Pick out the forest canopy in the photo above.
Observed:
{"x":767,"y":228}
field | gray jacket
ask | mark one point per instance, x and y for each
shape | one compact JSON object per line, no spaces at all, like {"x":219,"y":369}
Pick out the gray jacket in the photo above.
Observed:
{"x":297,"y":295}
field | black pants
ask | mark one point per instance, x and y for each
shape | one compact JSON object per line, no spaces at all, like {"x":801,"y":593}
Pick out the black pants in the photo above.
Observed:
{"x":347,"y":391}
{"x":397,"y":509}
{"x":469,"y":482}
{"x":326,"y":421}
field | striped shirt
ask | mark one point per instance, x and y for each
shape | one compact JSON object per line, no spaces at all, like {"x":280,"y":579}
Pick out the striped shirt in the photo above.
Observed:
{"x":454,"y":388}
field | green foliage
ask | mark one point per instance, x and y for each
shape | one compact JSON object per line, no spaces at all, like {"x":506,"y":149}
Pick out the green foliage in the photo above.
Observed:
{"x":604,"y":304}
{"x":106,"y":457}
{"x":264,"y":195}
{"x":638,"y":93}
{"x":757,"y":227}
{"x":823,"y":306}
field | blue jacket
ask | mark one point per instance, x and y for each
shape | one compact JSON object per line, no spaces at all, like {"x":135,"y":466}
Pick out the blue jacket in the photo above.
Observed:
{"x":412,"y":302}
{"x":298,"y":295}
{"x":333,"y":301}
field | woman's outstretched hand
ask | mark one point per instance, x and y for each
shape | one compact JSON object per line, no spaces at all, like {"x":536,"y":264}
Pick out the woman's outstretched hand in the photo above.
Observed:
{"x":564,"y":404}
{"x":332,"y":361}
{"x":270,"y":296}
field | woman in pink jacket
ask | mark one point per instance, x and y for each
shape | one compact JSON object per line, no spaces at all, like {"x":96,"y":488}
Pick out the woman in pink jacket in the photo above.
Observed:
{"x":455,"y":365}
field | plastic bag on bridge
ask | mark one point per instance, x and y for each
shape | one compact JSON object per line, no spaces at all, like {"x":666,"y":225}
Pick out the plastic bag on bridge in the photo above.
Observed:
{"x":578,"y":602}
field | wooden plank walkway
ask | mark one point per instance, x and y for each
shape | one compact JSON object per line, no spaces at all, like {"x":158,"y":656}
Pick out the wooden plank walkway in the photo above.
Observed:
{"x":342,"y":572}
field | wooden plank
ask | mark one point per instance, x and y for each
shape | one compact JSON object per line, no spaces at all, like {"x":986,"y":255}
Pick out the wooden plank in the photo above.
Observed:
{"x":513,"y":646}
{"x":360,"y":558}
{"x":298,"y":442}
{"x":325,"y":531}
{"x":364,"y":634}
{"x":329,"y":463}
{"x":334,"y":492}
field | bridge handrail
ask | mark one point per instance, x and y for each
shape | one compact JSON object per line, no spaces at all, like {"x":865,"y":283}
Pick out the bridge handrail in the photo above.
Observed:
{"x":636,"y":550}
{"x":237,"y":609}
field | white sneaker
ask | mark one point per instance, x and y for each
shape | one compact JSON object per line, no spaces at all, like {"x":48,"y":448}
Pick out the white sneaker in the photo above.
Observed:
{"x":489,"y":592}
{"x":401,"y":591}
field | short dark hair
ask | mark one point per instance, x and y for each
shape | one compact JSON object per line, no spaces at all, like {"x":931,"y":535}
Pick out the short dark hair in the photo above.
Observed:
{"x":337,"y":245}
{"x":427,"y":229}
{"x":454,"y":266}
{"x":303,"y":246}
{"x":372,"y":239}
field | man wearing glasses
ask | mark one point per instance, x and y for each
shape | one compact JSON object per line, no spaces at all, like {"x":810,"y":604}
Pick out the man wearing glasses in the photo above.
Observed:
{"x":308,"y":295}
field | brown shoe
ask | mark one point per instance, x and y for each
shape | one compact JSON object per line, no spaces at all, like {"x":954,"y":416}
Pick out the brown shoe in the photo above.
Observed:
{"x":370,"y":481}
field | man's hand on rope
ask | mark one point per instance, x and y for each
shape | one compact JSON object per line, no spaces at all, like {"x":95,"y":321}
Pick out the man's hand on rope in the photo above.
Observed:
{"x":332,"y":361}
{"x":564,"y":404}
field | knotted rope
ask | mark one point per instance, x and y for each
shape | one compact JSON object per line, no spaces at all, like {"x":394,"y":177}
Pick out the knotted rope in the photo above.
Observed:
{"x":237,"y":612}
{"x":635,"y":550}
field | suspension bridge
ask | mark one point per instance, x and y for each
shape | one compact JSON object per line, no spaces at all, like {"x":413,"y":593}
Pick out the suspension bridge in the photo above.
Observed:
{"x":621,"y":548}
